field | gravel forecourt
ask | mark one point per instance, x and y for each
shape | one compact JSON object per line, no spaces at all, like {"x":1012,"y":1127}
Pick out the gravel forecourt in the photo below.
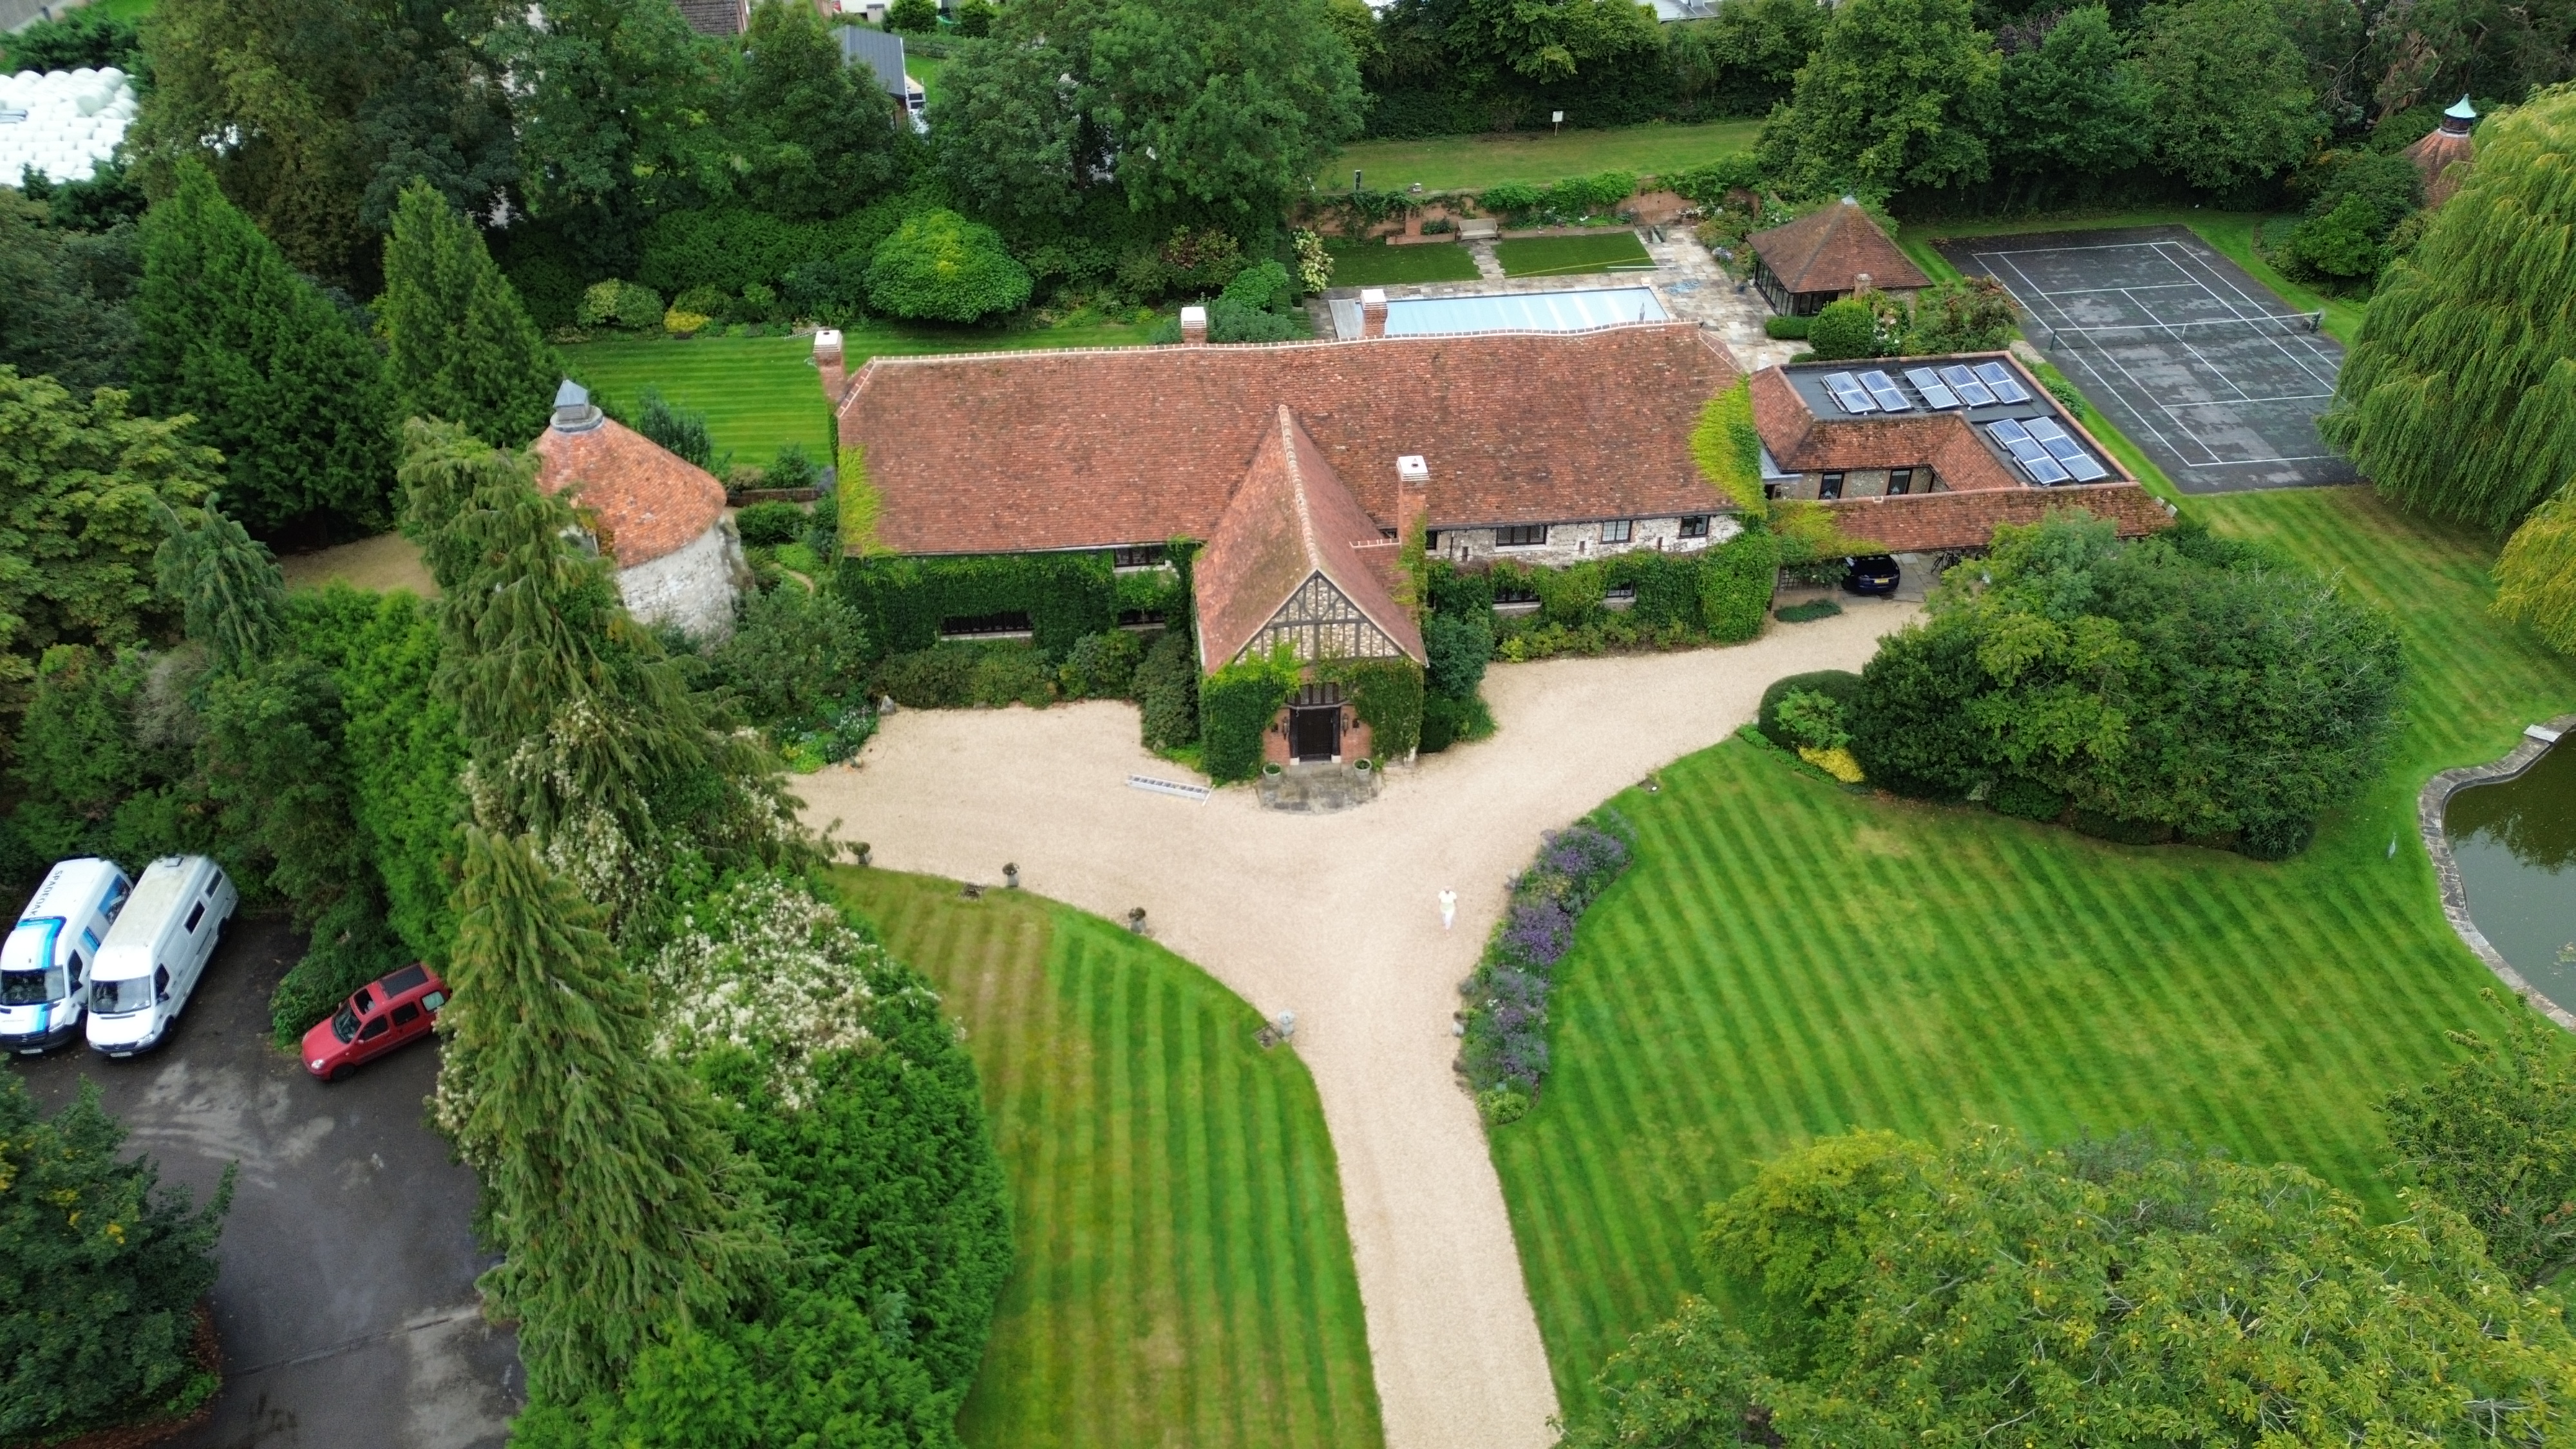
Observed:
{"x":1336,"y":917}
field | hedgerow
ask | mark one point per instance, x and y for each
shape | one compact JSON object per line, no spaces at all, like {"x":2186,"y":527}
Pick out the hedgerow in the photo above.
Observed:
{"x":1504,"y":1055}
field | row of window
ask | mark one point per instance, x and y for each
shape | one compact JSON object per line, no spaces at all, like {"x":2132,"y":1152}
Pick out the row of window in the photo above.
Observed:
{"x":1616,"y":530}
{"x":1900,"y":481}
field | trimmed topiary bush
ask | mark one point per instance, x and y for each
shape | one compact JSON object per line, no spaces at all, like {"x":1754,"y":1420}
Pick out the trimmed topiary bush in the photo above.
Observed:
{"x":1167,"y":692}
{"x":767,"y":525}
{"x":1838,"y":685}
{"x":940,"y":267}
{"x":1847,"y":328}
{"x":1786,"y":329}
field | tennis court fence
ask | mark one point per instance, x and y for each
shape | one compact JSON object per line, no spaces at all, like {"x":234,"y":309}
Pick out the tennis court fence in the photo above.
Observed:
{"x":2216,"y":329}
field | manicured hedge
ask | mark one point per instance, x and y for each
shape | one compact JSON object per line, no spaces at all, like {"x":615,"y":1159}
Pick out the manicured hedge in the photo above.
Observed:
{"x":1736,"y":582}
{"x":730,"y":248}
{"x":1840,"y":685}
{"x":1065,"y":595}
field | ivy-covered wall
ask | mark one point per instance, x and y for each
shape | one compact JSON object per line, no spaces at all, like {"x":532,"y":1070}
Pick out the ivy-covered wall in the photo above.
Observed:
{"x":1720,"y":593}
{"x":1065,"y":595}
{"x":1387,"y":696}
{"x":1236,"y":706}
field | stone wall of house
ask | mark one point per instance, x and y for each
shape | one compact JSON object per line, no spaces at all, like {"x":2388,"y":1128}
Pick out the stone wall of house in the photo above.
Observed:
{"x":1572,"y":543}
{"x":693,"y":587}
{"x":1858,"y":483}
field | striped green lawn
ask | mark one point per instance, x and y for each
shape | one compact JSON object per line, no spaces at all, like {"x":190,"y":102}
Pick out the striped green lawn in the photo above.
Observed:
{"x":761,"y":393}
{"x":1788,"y":959}
{"x":1183,"y":1273}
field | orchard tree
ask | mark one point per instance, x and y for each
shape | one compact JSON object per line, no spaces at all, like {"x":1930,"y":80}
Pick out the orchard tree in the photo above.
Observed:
{"x":277,"y":379}
{"x":2459,"y":397}
{"x":1900,"y":93}
{"x":621,"y":1206}
{"x":460,"y":347}
{"x":1221,"y":105}
{"x":100,"y":1273}
{"x":2229,"y":91}
{"x":2103,"y":1293}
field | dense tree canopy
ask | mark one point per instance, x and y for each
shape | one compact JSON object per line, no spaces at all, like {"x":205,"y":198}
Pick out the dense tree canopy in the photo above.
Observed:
{"x":2073,"y":107}
{"x":942,"y":267}
{"x":2496,"y":1140}
{"x":2230,"y":91}
{"x":276,"y":377}
{"x":2100,"y":1294}
{"x":100,"y":1273}
{"x":1899,"y":93}
{"x":315,"y":113}
{"x":814,"y":135}
{"x":2181,"y":684}
{"x":460,"y":347}
{"x":1228,"y":107}
{"x":79,"y":485}
{"x":2459,"y":397}
{"x":62,"y":297}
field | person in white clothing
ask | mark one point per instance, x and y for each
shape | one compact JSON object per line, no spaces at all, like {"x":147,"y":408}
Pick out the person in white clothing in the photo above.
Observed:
{"x":1448,"y":909}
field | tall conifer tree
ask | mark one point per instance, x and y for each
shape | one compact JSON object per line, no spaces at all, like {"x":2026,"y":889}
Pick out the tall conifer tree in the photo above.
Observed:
{"x":2460,"y":395}
{"x":229,"y":590}
{"x":462,"y":346}
{"x":278,"y":380}
{"x":616,"y":1194}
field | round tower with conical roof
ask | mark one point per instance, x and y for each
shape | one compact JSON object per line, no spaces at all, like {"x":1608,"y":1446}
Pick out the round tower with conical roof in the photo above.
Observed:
{"x":2442,"y":157}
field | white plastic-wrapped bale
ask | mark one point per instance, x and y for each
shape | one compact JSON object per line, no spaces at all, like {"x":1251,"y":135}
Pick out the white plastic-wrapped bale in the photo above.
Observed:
{"x":61,"y":124}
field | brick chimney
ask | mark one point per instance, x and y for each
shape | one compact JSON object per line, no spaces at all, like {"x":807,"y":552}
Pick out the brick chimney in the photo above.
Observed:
{"x":1412,"y":495}
{"x":1194,"y":327}
{"x":828,"y":361}
{"x":1373,"y":312}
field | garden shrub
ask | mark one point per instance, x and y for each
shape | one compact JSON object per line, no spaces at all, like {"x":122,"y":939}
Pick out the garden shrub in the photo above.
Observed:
{"x":1568,"y":595}
{"x":620,"y":304}
{"x":1100,"y":666}
{"x":705,"y":301}
{"x":796,"y":663}
{"x":682,"y":432}
{"x":685,"y":324}
{"x":1808,"y":612}
{"x":1840,"y":686}
{"x":938,"y":266}
{"x":767,"y":525}
{"x":1785,"y":329}
{"x":2176,"y":686}
{"x":1010,"y":674}
{"x":1447,"y":721}
{"x":790,"y":468}
{"x":942,"y":677}
{"x":1458,"y":647}
{"x":1167,"y":692}
{"x":1504,"y":1051}
{"x":1812,"y":720}
{"x":1666,"y":585}
{"x":1964,"y":314}
{"x":1711,"y":184}
{"x":2026,"y":798}
{"x":1511,"y":199}
{"x":104,"y":1272}
{"x":728,"y":250}
{"x":1236,"y":707}
{"x":1844,"y":329}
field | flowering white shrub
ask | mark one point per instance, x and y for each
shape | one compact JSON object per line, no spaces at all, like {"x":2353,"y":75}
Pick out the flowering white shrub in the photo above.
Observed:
{"x":772,"y":971}
{"x":1314,"y":266}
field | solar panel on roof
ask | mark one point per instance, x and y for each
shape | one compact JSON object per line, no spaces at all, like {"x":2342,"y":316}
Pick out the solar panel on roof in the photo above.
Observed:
{"x":2000,"y":378}
{"x":2007,"y":431}
{"x":2044,"y":469}
{"x":2085,"y":468}
{"x":2044,"y":429}
{"x":1963,"y":382}
{"x":1936,"y":394}
{"x":2027,"y":452}
{"x":1848,"y":394}
{"x":2060,"y":447}
{"x":1889,"y":396}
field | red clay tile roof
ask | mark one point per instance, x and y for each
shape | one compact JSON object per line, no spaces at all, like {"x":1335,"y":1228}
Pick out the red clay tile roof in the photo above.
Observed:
{"x":2436,"y":157}
{"x":1927,"y":522}
{"x":1827,"y":249}
{"x":648,"y":501}
{"x":1010,"y":452}
{"x":1289,"y":520}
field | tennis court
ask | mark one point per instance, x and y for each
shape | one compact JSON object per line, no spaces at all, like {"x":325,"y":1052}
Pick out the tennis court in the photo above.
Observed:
{"x":2201,"y":365}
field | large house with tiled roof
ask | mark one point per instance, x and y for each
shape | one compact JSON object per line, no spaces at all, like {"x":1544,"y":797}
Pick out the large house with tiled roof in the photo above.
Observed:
{"x":659,"y":516}
{"x":1827,"y":255}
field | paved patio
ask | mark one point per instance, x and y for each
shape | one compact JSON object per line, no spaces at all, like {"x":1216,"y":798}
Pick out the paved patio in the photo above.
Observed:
{"x":1336,"y":917}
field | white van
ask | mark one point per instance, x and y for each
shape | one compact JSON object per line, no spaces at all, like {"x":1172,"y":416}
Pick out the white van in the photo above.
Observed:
{"x":56,"y":939}
{"x":156,"y":951}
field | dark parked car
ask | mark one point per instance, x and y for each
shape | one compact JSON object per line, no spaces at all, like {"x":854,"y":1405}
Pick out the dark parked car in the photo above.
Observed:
{"x":1875,"y":574}
{"x":378,"y":1017}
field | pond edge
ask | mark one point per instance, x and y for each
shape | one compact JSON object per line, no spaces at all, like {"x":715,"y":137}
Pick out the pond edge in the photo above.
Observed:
{"x":2429,"y":806}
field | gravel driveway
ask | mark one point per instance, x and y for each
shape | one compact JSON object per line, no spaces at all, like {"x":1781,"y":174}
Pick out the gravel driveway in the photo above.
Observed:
{"x":1336,"y":917}
{"x":346,"y":1300}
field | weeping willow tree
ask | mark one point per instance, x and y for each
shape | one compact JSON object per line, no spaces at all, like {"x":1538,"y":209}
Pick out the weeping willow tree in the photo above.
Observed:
{"x":2460,"y":395}
{"x":614,"y":1192}
{"x":584,"y":732}
{"x":2536,"y":578}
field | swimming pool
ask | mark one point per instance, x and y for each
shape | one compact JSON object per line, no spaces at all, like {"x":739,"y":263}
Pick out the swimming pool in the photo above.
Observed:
{"x":1517,"y":312}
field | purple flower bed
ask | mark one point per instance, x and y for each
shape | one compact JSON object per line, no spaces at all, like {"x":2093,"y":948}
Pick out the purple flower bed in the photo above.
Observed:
{"x":1504,"y":1055}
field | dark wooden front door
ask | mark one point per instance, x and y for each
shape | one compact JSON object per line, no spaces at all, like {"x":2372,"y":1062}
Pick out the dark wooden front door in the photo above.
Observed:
{"x":1315,"y":731}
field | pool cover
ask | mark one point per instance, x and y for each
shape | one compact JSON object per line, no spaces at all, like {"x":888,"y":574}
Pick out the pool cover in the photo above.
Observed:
{"x":1523,"y":312}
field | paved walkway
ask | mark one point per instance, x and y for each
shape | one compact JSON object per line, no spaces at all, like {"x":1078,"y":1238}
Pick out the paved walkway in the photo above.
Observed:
{"x":1336,"y":918}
